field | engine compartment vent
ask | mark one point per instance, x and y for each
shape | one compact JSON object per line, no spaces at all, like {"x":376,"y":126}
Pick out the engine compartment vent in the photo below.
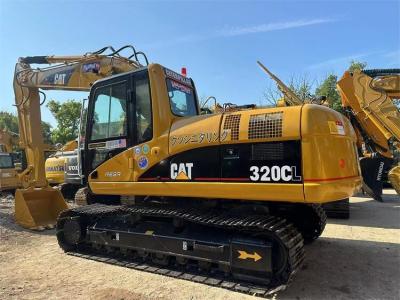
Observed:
{"x":268,"y":125}
{"x":232,"y":123}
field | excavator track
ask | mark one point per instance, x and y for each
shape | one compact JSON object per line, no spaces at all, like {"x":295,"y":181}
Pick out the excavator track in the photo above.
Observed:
{"x":309,"y":220}
{"x":317,"y":223}
{"x":338,"y":209}
{"x":80,"y":229}
{"x":81,"y":196}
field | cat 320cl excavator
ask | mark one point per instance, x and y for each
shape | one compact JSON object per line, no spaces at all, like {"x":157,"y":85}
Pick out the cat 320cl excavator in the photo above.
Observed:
{"x":234,"y":194}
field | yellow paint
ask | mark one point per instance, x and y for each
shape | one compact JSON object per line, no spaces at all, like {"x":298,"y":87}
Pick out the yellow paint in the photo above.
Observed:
{"x":394,"y":178}
{"x":182,"y":176}
{"x":9,"y":179}
{"x":38,"y":208}
{"x":329,"y":162}
{"x":27,"y":82}
{"x":372,"y":101}
{"x":245,"y":255}
{"x":54,"y":167}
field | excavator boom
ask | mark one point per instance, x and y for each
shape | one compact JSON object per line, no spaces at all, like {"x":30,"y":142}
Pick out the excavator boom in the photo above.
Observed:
{"x":37,"y":205}
{"x":290,"y":97}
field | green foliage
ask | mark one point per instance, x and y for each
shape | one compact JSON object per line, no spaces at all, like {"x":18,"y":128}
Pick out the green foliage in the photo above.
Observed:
{"x":329,"y":90}
{"x":356,"y":65}
{"x":9,"y":121}
{"x":67,"y":115}
{"x":46,"y":128}
{"x":302,"y":86}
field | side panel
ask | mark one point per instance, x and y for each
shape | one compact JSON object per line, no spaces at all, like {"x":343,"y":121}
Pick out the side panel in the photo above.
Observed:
{"x":237,"y":190}
{"x":329,"y":155}
{"x":201,"y":172}
{"x":274,"y":162}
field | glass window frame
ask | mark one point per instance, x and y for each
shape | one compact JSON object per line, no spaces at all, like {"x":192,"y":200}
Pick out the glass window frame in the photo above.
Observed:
{"x":193,"y":88}
{"x":12,"y":166}
{"x":90,"y":128}
{"x":143,"y":74}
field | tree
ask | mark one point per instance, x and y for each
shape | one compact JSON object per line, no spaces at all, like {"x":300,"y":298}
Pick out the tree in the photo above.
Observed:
{"x":329,"y":90}
{"x":46,"y":129}
{"x":9,"y":121}
{"x":67,"y":115}
{"x":356,"y":65}
{"x":300,"y":85}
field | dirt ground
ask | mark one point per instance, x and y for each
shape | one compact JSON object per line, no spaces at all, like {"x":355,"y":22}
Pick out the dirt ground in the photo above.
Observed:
{"x":354,"y":259}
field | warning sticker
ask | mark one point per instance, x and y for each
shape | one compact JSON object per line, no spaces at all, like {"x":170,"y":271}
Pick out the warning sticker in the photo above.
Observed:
{"x":116,"y":144}
{"x":336,"y":127}
{"x":180,"y":87}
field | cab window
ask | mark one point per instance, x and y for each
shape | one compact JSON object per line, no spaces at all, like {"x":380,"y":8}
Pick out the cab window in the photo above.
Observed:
{"x":6,"y":162}
{"x":144,"y":128}
{"x":109,"y":119}
{"x":181,"y":98}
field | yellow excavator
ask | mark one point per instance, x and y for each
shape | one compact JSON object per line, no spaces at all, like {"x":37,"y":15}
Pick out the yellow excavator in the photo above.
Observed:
{"x":368,"y":98}
{"x":37,"y":205}
{"x":58,"y":167}
{"x":9,"y":180}
{"x":234,"y":193}
{"x":55,"y":163}
{"x":8,"y":140}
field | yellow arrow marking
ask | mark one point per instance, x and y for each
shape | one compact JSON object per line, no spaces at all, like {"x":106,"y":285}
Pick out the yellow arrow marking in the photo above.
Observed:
{"x":245,"y":255}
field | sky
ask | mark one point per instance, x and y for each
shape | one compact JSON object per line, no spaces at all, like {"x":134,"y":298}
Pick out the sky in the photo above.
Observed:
{"x":218,"y":42}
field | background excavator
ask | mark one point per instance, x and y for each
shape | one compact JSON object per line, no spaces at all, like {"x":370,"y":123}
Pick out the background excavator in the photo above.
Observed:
{"x":9,"y":180}
{"x":368,"y":98}
{"x":37,"y":205}
{"x":61,"y":166}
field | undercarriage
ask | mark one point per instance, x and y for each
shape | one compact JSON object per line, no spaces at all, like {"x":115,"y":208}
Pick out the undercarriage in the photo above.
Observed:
{"x":246,"y":248}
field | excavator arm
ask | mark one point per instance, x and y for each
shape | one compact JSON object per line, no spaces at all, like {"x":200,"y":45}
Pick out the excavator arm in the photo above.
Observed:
{"x":37,"y":205}
{"x":369,"y":98}
{"x":289,"y":97}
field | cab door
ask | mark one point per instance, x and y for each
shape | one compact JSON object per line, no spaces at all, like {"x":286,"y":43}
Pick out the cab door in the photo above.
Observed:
{"x":109,"y":129}
{"x":120,"y":117}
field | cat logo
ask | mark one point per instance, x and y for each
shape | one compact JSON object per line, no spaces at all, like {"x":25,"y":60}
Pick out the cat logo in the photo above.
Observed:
{"x":181,"y":171}
{"x":59,"y":79}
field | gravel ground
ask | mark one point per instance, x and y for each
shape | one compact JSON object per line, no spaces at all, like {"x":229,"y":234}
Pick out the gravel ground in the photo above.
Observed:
{"x":354,"y":259}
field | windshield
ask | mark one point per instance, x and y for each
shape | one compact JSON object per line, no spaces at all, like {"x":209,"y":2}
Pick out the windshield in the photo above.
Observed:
{"x":6,"y":162}
{"x":181,"y":98}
